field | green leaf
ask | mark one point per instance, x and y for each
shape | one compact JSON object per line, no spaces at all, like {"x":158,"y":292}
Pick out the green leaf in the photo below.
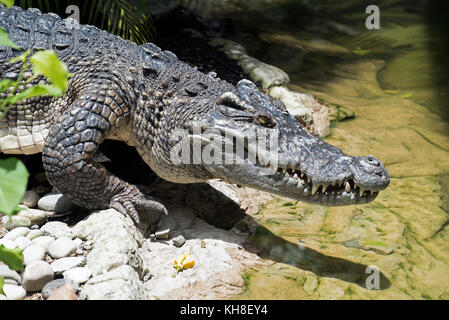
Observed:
{"x":13,"y":183}
{"x":13,"y":258}
{"x":5,"y":84}
{"x":36,"y":91}
{"x":2,"y":283}
{"x":375,"y":244}
{"x":46,"y":63}
{"x":7,"y":3}
{"x":5,"y":40}
{"x":22,"y":58}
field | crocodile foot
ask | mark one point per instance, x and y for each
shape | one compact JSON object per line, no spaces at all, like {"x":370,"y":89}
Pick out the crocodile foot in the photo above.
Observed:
{"x":131,"y":203}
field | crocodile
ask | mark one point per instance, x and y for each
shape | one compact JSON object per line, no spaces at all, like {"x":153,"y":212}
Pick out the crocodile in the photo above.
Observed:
{"x":146,"y":97}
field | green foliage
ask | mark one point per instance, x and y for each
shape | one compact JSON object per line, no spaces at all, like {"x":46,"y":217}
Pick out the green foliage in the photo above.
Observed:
{"x":5,"y":40}
{"x":13,"y":182}
{"x":46,"y":63}
{"x":7,"y":3}
{"x":12,"y":258}
{"x":375,"y":243}
{"x":43,"y":63}
{"x":128,"y":19}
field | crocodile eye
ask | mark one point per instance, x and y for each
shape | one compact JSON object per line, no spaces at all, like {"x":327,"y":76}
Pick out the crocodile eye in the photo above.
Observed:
{"x":265,"y":121}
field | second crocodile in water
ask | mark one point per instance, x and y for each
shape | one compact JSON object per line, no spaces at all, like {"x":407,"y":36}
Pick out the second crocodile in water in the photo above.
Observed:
{"x":145,"y":96}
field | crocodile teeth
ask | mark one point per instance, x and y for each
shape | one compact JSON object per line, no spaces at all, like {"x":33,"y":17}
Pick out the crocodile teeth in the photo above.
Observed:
{"x":347,"y":187}
{"x":324,"y":188}
{"x":315,"y":188}
{"x":295,"y":176}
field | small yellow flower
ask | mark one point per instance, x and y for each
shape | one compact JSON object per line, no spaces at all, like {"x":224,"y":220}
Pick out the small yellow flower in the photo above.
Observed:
{"x":181,"y":263}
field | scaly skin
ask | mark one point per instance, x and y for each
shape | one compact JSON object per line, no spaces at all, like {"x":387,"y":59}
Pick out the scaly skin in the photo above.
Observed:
{"x":142,"y":95}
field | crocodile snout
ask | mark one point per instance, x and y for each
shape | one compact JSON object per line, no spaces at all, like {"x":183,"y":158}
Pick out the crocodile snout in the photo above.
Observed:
{"x":370,"y":173}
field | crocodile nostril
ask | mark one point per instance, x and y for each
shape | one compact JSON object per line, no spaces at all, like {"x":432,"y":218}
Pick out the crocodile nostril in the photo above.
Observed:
{"x":372,"y":161}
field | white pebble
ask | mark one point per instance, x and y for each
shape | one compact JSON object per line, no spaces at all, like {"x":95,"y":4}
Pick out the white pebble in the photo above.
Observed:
{"x":33,"y":234}
{"x":14,"y":292}
{"x":9,"y":274}
{"x":17,"y":232}
{"x":37,"y":217}
{"x":37,"y":274}
{"x":44,"y":241}
{"x":55,"y":202}
{"x":61,"y":265}
{"x":33,"y":253}
{"x":8,"y":244}
{"x":78,"y":275}
{"x":61,"y":248}
{"x":57,"y":229}
{"x":14,"y":222}
{"x":22,"y":242}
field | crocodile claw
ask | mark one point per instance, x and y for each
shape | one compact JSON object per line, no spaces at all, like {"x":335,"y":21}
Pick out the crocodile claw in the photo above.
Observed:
{"x":129,"y":206}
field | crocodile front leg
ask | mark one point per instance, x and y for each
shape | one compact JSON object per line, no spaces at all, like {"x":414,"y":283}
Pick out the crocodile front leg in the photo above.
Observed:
{"x":68,"y":151}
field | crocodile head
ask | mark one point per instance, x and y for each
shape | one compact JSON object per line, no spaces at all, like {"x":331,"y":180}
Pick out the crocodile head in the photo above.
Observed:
{"x":247,"y":138}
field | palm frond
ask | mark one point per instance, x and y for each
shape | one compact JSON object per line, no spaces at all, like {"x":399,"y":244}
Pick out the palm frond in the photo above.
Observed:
{"x":128,"y":19}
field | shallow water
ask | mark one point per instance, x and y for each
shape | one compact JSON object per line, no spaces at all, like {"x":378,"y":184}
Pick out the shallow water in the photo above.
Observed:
{"x":395,"y":80}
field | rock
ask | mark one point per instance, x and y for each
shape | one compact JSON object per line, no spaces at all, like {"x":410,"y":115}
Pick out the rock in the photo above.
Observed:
{"x":17,"y":232}
{"x":78,"y":275}
{"x":352,"y":244}
{"x":37,"y":217}
{"x":14,"y":292}
{"x":260,"y":72}
{"x":22,"y":242}
{"x":33,"y":253}
{"x":43,"y":241}
{"x":310,"y":284}
{"x":50,"y":287}
{"x":77,"y":241}
{"x":121,"y":283}
{"x":61,"y":265}
{"x":63,"y":293}
{"x":305,"y":108}
{"x":8,"y":244}
{"x":33,"y":234}
{"x":30,"y":199}
{"x":116,"y":240}
{"x":216,"y":273}
{"x":16,"y":221}
{"x":179,"y":241}
{"x":339,"y":113}
{"x":57,"y":229}
{"x":378,"y":249}
{"x":55,"y":202}
{"x":61,"y":248}
{"x":7,"y":273}
{"x":37,"y":274}
{"x":164,"y":234}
